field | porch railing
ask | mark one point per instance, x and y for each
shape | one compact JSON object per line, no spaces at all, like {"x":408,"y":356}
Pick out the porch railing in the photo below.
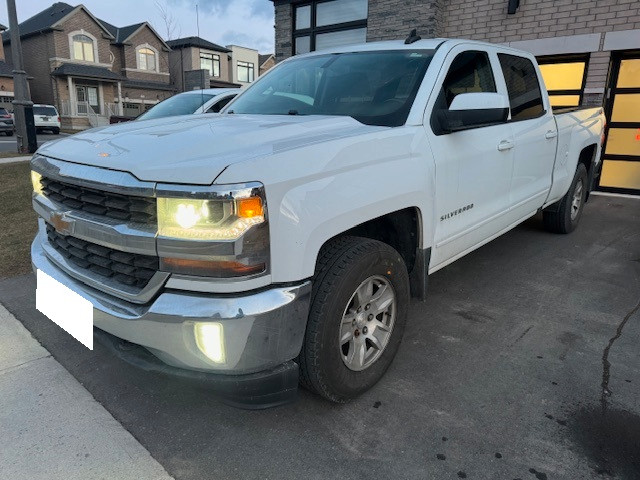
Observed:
{"x":84,"y":109}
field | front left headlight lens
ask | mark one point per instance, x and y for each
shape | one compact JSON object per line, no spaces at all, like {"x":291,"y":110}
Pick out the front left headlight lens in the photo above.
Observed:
{"x":208,"y":219}
{"x":220,"y":231}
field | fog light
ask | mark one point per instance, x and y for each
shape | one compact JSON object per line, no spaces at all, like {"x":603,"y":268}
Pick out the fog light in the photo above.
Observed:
{"x":210,"y":340}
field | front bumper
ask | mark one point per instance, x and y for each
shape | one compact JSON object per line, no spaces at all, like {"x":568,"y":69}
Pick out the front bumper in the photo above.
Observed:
{"x":262,"y":331}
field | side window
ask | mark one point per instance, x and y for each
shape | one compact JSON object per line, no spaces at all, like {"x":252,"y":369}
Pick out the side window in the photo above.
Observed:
{"x":216,"y":107}
{"x":470,"y":72}
{"x":525,"y":97}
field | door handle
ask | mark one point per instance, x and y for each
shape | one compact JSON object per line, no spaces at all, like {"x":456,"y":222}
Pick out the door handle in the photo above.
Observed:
{"x":551,"y":134}
{"x":505,"y":145}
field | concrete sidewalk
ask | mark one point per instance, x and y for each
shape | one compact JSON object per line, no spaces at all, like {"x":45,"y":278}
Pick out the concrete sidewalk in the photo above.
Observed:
{"x":51,"y":427}
{"x":24,"y":158}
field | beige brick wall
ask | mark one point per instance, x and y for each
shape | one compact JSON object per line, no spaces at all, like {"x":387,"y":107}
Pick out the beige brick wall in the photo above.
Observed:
{"x":36,"y":53}
{"x":6,"y":85}
{"x":488,"y":19}
{"x":145,"y":36}
{"x":80,"y":21}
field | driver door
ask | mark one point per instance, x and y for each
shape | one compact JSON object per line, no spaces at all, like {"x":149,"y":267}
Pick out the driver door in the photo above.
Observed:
{"x":473,"y":167}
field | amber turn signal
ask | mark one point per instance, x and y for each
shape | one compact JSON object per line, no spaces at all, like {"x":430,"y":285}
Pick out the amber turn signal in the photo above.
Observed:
{"x":250,"y":207}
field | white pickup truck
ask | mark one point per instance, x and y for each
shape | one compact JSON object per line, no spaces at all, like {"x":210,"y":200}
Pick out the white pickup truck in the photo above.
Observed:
{"x":281,"y":241}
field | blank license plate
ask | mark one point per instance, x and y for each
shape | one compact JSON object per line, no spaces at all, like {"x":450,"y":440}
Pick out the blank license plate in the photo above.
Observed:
{"x":66,"y":308}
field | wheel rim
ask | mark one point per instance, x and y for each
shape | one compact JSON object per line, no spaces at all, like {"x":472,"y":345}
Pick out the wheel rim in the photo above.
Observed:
{"x":576,"y":201}
{"x":367,"y":323}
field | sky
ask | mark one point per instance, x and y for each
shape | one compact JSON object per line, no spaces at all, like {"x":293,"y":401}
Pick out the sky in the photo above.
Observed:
{"x":248,"y":23}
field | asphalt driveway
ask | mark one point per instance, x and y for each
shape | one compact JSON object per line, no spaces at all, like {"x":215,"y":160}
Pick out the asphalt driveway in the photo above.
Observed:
{"x":522,"y":364}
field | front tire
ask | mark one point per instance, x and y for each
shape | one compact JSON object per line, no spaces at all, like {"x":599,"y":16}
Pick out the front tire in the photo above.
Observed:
{"x":569,"y":210}
{"x":357,"y":317}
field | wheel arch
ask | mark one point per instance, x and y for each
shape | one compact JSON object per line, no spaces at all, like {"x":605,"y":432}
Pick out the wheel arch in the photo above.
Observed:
{"x":402,"y":230}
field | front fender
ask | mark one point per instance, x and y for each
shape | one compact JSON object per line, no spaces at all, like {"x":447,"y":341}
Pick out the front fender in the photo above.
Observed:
{"x":318,"y":192}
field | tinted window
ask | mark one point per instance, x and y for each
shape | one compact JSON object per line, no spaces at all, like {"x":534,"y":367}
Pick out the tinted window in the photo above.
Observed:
{"x":181,"y":104}
{"x":525,"y":97}
{"x":469,"y":72}
{"x":3,"y":111}
{"x":375,"y":88}
{"x":46,"y":111}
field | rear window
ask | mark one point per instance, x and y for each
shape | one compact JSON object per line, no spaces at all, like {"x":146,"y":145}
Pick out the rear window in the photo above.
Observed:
{"x":525,"y":97}
{"x":46,"y":111}
{"x":3,"y":111}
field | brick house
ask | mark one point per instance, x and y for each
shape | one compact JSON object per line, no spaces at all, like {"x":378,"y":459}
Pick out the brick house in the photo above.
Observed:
{"x":90,"y":69}
{"x":266,"y":62}
{"x":586,"y":48}
{"x":193,"y":54}
{"x":6,"y":80}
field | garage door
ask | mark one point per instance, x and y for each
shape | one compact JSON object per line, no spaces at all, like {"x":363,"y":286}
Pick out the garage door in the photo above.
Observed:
{"x":621,"y":160}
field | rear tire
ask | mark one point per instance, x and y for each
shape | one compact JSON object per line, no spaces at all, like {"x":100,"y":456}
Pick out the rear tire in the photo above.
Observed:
{"x":569,"y":210}
{"x":9,"y":134}
{"x":56,"y":131}
{"x":360,"y":292}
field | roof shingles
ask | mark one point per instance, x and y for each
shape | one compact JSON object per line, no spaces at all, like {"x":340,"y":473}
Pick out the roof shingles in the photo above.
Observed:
{"x":199,"y":42}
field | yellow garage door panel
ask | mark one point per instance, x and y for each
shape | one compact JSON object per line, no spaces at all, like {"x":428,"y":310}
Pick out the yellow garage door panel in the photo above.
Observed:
{"x":564,"y":100}
{"x":563,"y":76}
{"x":626,"y":108}
{"x":623,"y":141}
{"x":629,"y":76}
{"x":620,"y":174}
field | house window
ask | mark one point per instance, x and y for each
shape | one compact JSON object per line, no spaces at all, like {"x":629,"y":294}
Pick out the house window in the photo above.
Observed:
{"x":325,"y":24}
{"x":565,"y":78}
{"x":245,"y":72}
{"x":146,"y":59}
{"x":211,"y":62}
{"x":83,"y":48}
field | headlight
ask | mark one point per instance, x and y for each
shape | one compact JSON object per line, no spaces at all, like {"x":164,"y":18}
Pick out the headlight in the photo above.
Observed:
{"x":214,"y":219}
{"x":36,"y":182}
{"x":219,"y":231}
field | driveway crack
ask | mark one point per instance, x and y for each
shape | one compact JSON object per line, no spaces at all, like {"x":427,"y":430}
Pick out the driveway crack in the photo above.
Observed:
{"x":606,"y":365}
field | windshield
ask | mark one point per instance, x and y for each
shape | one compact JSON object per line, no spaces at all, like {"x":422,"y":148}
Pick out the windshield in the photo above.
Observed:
{"x":181,"y":104}
{"x":46,"y":111}
{"x":375,"y":88}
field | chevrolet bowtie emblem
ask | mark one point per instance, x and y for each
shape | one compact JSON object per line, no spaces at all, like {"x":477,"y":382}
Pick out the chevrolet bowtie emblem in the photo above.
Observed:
{"x":61,"y":223}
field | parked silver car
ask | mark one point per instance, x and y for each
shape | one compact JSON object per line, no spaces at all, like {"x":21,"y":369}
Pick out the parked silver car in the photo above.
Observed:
{"x":210,"y":100}
{"x":6,"y":122}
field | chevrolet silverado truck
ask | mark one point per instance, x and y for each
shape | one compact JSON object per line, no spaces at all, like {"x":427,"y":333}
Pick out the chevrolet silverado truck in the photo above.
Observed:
{"x":281,"y":241}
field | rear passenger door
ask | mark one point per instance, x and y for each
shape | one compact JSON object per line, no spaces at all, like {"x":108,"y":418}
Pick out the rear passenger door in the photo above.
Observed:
{"x":473,"y":167}
{"x":535,"y":135}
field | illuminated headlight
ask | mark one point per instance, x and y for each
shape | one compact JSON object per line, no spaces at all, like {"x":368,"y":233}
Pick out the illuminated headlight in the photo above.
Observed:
{"x":220,"y":231}
{"x":210,"y":340}
{"x":208,"y":219}
{"x":36,"y":181}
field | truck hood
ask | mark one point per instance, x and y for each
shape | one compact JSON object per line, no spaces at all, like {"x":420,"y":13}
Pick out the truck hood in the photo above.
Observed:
{"x":195,"y":149}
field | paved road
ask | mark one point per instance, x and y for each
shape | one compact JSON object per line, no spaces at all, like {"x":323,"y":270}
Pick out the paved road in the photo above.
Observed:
{"x":8,"y":144}
{"x":500,"y":376}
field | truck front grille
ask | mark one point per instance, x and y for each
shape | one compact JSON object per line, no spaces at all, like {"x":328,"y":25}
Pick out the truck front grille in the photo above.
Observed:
{"x":127,"y":208}
{"x":130,"y":269}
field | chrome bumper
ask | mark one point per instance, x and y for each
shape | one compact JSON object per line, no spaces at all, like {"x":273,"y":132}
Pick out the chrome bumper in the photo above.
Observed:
{"x":261,"y":330}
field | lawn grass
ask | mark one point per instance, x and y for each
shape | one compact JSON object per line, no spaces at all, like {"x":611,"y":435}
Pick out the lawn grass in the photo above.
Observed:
{"x":17,"y":219}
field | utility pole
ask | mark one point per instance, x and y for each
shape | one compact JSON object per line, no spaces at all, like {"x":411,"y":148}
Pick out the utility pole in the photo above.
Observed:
{"x":22,"y":104}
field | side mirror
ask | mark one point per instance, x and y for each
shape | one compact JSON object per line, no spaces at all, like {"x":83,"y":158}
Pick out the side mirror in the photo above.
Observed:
{"x":473,"y":110}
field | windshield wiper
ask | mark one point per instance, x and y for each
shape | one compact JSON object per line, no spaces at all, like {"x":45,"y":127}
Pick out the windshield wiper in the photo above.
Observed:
{"x":293,"y":112}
